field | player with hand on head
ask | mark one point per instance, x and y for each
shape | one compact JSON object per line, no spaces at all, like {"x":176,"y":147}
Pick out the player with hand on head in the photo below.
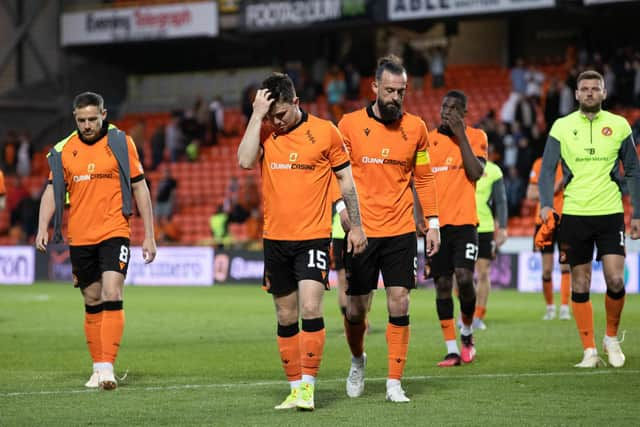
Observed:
{"x":298,"y":158}
{"x":458,"y":155}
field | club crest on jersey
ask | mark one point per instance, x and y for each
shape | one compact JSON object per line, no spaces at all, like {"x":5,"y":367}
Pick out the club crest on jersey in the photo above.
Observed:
{"x":607,"y":131}
{"x":385,"y":152}
{"x":293,"y":157}
{"x":367,"y":131}
{"x":403,"y":134}
{"x":91,"y":167}
{"x":310,"y":136}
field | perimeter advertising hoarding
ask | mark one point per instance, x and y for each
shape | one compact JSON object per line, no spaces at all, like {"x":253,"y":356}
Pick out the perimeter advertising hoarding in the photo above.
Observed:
{"x":17,"y":265}
{"x":248,"y":267}
{"x":401,"y":10}
{"x":530,"y":273}
{"x":173,"y":266}
{"x":127,"y":24}
{"x":270,"y":15}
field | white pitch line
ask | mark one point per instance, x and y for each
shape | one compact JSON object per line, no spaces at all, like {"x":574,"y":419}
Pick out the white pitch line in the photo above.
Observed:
{"x":332,"y":380}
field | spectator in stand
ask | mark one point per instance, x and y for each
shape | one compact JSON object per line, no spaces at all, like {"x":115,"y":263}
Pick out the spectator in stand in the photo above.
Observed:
{"x":526,"y":114}
{"x":219,"y":228}
{"x":525,"y":159}
{"x":552,"y":103}
{"x":157,"y":146}
{"x":250,"y":194}
{"x":9,"y":147}
{"x":567,"y":100}
{"x":518,"y":80}
{"x":173,"y":136}
{"x":335,"y":88}
{"x":165,"y":197}
{"x":216,"y":113}
{"x":535,"y":80}
{"x":15,"y":195}
{"x":510,"y":147}
{"x":514,"y":187}
{"x":352,"y":80}
{"x":137,"y":134}
{"x":610,"y":84}
{"x":27,"y":213}
{"x":437,"y":65}
{"x":416,"y":66}
{"x":24,"y":155}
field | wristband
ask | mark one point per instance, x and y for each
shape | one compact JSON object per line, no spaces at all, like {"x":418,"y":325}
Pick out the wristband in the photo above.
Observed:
{"x":340,"y":206}
{"x":434,"y":223}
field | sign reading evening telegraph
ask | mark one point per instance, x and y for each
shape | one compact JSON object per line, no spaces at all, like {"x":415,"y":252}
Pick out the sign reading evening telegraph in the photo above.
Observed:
{"x":400,"y":10}
{"x":118,"y":25}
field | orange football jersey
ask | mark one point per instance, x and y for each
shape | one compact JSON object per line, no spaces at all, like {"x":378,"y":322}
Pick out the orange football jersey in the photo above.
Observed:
{"x":93,"y":181}
{"x":384,"y":157}
{"x":456,"y":193}
{"x":297,"y":169}
{"x":534,"y":176}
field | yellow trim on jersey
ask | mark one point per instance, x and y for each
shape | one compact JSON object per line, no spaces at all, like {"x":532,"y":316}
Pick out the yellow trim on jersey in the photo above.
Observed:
{"x":422,"y":158}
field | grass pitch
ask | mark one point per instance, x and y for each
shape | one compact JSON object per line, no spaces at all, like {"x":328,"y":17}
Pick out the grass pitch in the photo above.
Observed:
{"x":208,"y":356}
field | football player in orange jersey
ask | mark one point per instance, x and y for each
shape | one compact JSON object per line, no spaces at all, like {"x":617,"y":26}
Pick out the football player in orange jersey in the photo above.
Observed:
{"x":547,"y":251}
{"x":298,"y":159}
{"x":100,"y":190}
{"x":458,"y":155}
{"x":388,"y":146}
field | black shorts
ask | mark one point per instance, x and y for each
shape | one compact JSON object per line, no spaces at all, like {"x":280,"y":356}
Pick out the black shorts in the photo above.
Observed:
{"x":286,"y":262}
{"x":579,"y":234}
{"x":88,"y":262}
{"x":396,"y":257}
{"x":486,"y":246}
{"x":458,"y":249}
{"x":549,"y":249}
{"x":338,"y":249}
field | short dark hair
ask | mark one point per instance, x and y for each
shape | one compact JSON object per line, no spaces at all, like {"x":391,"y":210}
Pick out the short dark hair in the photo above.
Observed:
{"x":88,"y":98}
{"x":590,"y":75}
{"x":459,"y":95}
{"x":390,"y":63}
{"x":281,"y":87}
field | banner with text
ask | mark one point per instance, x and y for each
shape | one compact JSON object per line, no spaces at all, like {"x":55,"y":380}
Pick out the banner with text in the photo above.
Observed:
{"x":268,"y":15}
{"x":173,"y":266}
{"x":248,"y":267}
{"x":17,"y":265}
{"x":117,"y":25}
{"x":400,"y":10}
{"x":530,"y":273}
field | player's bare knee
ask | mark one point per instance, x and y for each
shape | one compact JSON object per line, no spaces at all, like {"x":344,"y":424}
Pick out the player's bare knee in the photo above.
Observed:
{"x":615,"y":283}
{"x":311,"y":309}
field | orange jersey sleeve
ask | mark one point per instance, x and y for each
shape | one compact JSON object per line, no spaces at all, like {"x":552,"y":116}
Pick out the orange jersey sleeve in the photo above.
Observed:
{"x":424,"y":180}
{"x":297,"y":169}
{"x":534,"y":176}
{"x":93,"y":181}
{"x":383,"y":159}
{"x":456,"y":193}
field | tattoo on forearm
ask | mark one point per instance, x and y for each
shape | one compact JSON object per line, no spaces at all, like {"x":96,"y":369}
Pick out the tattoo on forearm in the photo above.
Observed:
{"x":353,"y":208}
